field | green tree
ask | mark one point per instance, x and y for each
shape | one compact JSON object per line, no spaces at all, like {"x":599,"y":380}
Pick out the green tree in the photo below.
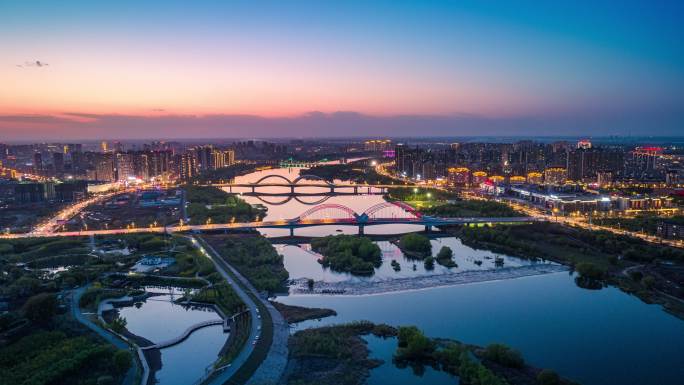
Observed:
{"x":121,"y":361}
{"x":504,"y":355}
{"x":548,"y":377}
{"x":429,"y":263}
{"x":40,"y":308}
{"x":590,"y":270}
{"x":649,"y":281}
{"x":445,"y":253}
{"x":416,"y":243}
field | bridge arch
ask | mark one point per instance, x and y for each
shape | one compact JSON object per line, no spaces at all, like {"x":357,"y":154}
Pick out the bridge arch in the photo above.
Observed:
{"x":271,"y":176}
{"x":311,"y":177}
{"x":349,"y":213}
{"x":291,"y":197}
{"x":373,"y":211}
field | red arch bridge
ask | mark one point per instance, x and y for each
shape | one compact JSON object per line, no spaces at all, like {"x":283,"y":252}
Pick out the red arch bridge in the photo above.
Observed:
{"x":322,"y":215}
{"x":380,"y":214}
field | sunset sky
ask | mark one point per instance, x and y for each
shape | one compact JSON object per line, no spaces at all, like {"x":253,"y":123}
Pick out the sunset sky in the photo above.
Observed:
{"x":165,"y":69}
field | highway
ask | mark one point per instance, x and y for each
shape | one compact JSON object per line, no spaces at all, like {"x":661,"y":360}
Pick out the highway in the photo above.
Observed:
{"x":50,"y":225}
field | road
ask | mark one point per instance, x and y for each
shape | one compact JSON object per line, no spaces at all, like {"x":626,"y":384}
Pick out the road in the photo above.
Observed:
{"x":583,"y":223}
{"x":222,"y":267}
{"x":50,"y":225}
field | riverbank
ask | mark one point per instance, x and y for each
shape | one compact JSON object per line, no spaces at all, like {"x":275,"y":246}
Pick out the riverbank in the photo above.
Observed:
{"x":295,"y":314}
{"x":653,"y":273}
{"x":340,"y":354}
{"x":301,"y":286}
{"x":332,"y":354}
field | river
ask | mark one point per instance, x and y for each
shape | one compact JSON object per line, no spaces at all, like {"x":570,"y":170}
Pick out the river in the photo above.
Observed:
{"x":601,"y":337}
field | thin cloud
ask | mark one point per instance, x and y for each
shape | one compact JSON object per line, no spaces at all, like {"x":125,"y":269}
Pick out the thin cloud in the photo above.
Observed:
{"x":35,"y":63}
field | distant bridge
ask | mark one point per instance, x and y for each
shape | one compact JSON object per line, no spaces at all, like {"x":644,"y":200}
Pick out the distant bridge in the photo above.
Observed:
{"x":321,"y":215}
{"x":276,"y":180}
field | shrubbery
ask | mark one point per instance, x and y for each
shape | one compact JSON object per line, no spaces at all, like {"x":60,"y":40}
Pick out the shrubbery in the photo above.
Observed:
{"x":257,"y":260}
{"x":347,"y":253}
{"x":416,"y":243}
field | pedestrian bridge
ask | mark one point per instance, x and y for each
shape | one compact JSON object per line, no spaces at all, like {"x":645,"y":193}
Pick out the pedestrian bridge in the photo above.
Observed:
{"x":185,"y":335}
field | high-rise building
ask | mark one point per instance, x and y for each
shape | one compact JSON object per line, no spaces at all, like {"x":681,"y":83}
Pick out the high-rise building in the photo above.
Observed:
{"x":604,"y":178}
{"x":204,"y":157}
{"x":58,"y":162}
{"x":459,"y":176}
{"x":672,"y":177}
{"x":103,"y":146}
{"x":400,"y":159}
{"x":38,"y":163}
{"x":124,"y":167}
{"x":230,"y":157}
{"x":534,"y":177}
{"x":105,"y":168}
{"x":187,"y":166}
{"x":377,"y":145}
{"x":555,"y":176}
{"x":218,"y":159}
{"x":583,"y":164}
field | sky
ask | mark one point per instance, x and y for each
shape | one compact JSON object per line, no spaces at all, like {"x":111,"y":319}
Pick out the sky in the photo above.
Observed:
{"x":207,"y":69}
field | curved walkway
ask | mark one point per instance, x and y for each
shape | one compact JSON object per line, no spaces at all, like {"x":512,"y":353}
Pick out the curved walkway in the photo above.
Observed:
{"x":186,"y":334}
{"x":109,"y":337}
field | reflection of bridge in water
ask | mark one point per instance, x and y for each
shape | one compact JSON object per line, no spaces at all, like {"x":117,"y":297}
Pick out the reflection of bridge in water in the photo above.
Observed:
{"x":304,"y":181}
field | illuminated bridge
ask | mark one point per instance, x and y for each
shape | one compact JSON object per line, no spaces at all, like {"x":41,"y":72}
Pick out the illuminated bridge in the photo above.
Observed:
{"x":385,"y":213}
{"x":325,"y":186}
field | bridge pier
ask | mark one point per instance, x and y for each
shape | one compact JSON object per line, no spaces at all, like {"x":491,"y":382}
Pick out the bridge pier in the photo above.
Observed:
{"x":360,"y":229}
{"x":292,"y":231}
{"x":356,"y":189}
{"x":253,"y":189}
{"x":332,"y":189}
{"x":428,"y":228}
{"x":292,"y":188}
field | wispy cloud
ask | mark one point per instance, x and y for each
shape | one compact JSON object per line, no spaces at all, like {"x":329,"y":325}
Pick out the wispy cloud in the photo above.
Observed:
{"x":320,"y":124}
{"x":35,"y":63}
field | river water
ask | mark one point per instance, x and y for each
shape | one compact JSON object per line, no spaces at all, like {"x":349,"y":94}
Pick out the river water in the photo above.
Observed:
{"x":594,"y":337}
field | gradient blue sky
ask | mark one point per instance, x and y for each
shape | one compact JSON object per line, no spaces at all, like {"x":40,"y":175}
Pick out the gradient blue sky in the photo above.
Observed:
{"x":297,"y":68}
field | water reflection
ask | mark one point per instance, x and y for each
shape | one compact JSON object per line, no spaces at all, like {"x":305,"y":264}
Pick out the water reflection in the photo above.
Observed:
{"x":594,"y":337}
{"x":384,"y":349}
{"x":301,"y":262}
{"x":159,"y":319}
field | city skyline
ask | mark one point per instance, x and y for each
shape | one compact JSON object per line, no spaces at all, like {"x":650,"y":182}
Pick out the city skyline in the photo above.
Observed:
{"x":168,"y":70}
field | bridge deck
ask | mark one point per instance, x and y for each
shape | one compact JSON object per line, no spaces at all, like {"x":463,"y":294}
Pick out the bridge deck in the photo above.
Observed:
{"x":186,"y":334}
{"x":289,"y":224}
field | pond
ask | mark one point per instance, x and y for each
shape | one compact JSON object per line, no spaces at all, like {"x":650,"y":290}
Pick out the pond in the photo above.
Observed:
{"x":159,"y":319}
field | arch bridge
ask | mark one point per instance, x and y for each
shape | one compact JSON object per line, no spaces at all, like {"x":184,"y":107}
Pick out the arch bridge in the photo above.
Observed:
{"x":308,"y":180}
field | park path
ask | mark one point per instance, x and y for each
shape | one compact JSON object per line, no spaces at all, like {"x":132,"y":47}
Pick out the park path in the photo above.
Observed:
{"x":131,"y":375}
